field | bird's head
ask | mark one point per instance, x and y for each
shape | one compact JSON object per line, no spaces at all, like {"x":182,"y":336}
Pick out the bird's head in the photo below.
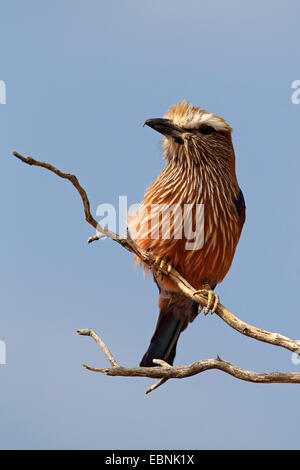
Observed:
{"x":194,"y":135}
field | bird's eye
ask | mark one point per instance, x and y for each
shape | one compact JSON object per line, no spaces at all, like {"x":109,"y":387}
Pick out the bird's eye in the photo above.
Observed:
{"x":178,"y":140}
{"x":207,"y":130}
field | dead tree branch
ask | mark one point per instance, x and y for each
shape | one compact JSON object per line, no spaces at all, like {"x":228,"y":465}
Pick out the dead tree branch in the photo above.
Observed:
{"x":165,"y":372}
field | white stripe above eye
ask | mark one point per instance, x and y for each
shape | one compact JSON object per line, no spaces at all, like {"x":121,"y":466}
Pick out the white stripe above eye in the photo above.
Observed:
{"x":194,"y":120}
{"x":210,"y":120}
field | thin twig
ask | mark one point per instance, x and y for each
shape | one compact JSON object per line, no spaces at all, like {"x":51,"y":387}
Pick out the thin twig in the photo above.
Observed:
{"x":93,"y":334}
{"x":155,"y":386}
{"x":161,"y":363}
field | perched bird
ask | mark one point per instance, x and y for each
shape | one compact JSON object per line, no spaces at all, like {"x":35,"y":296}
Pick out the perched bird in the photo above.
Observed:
{"x":199,"y":173}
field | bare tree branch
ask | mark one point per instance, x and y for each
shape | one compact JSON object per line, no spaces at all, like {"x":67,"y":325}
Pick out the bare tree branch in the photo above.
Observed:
{"x":165,"y":372}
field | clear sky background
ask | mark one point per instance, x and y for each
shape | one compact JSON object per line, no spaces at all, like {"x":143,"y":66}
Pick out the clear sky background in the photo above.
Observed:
{"x":81,"y":77}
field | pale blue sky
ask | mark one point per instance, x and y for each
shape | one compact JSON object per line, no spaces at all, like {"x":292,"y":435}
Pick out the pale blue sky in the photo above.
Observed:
{"x":81,"y":78}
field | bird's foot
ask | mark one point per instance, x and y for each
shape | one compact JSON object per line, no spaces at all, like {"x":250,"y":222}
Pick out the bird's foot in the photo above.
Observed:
{"x":162,"y":267}
{"x":213,"y":300}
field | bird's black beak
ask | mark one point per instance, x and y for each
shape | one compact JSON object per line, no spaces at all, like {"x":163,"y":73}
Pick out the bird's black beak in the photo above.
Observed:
{"x":166,"y":127}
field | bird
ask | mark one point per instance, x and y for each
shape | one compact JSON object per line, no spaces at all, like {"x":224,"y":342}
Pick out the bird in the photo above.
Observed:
{"x":200,"y":175}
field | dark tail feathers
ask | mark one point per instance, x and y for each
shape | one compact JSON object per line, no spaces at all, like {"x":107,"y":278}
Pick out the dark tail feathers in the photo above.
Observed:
{"x":164,"y":341}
